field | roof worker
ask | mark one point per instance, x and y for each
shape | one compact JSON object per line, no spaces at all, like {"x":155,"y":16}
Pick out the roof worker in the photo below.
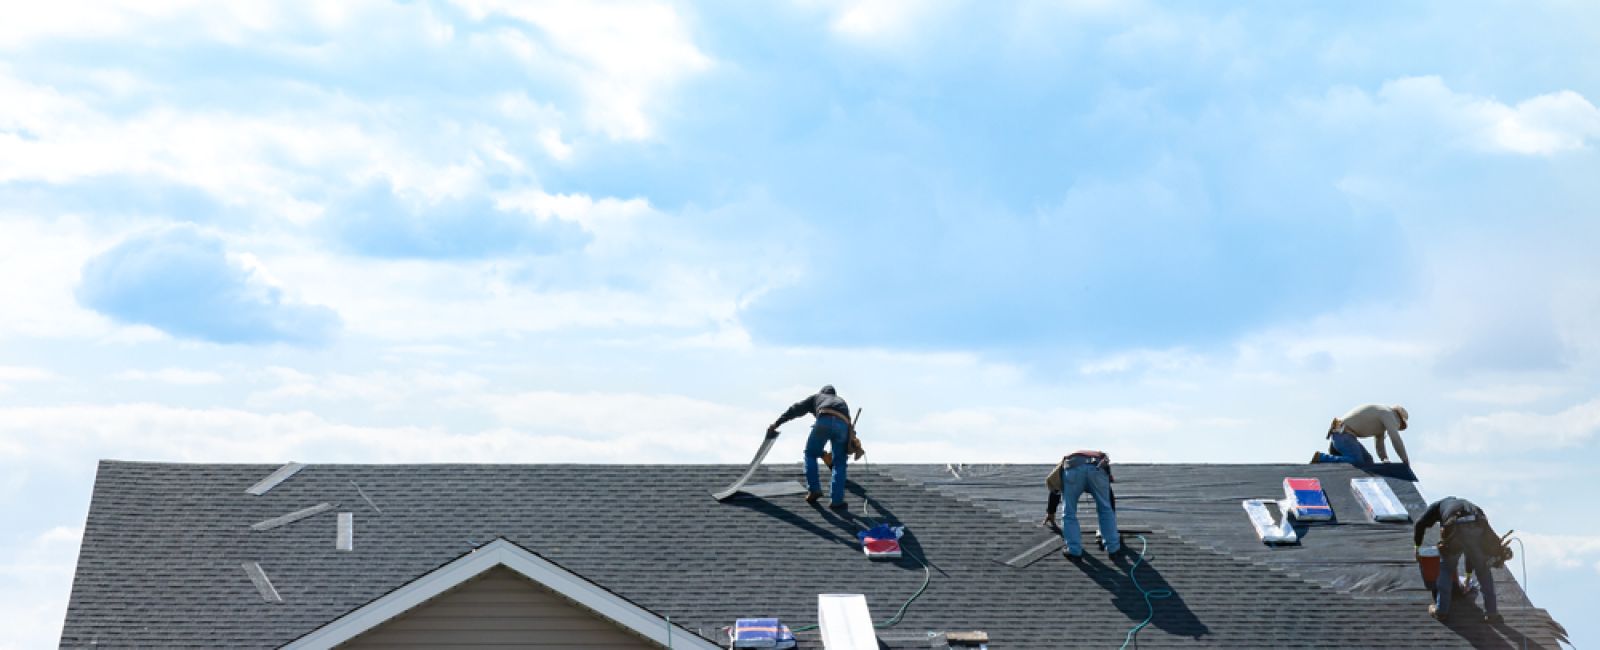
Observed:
{"x":832,"y":427}
{"x":1463,"y":532}
{"x":1083,"y":471}
{"x":1365,"y":421}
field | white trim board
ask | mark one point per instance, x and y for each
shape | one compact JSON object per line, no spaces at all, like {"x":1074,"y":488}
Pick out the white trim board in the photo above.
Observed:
{"x":500,"y":553}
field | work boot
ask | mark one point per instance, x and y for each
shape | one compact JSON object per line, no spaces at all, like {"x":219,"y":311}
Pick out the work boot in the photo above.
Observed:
{"x":812,"y":497}
{"x":839,"y":507}
{"x":1071,"y":557}
{"x":1494,"y":619}
{"x":1433,"y":610}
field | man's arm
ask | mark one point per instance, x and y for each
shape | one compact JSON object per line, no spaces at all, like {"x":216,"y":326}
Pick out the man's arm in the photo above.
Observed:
{"x":1427,"y":521}
{"x":799,"y":408}
{"x":1050,"y":508}
{"x":1383,"y":451}
{"x":1399,"y":445}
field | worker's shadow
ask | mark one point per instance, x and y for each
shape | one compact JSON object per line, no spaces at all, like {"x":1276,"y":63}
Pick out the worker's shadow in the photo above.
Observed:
{"x":839,"y":530}
{"x":1466,"y":619}
{"x":1171,"y":614}
{"x":871,"y":511}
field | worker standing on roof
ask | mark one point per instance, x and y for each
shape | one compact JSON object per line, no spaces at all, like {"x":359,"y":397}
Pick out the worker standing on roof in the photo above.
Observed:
{"x":1083,"y":471}
{"x":1366,"y":421}
{"x":1463,"y":532}
{"x":833,"y":427}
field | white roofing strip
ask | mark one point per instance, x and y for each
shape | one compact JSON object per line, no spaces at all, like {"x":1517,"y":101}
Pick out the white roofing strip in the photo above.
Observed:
{"x":364,"y":497}
{"x":1269,"y":530}
{"x":259,"y":579}
{"x":272,"y":480}
{"x":500,"y":552}
{"x":845,"y":622}
{"x":292,"y":517}
{"x":347,"y":531}
{"x":1379,"y":500}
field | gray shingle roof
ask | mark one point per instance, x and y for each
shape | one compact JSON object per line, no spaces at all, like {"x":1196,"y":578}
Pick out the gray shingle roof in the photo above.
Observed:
{"x":163,"y":545}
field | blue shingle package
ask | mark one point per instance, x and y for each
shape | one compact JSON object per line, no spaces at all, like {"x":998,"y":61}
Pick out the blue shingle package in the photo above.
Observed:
{"x":762,"y":633}
{"x":1305,"y":500}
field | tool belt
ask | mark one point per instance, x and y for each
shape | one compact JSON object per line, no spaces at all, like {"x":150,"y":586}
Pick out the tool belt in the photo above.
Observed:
{"x":833,"y":413}
{"x":855,"y":449}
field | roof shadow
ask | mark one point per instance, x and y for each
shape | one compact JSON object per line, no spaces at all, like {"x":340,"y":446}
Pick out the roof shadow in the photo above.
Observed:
{"x":1170,"y":615}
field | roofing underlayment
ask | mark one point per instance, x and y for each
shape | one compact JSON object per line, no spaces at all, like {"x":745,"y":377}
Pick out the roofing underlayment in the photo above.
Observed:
{"x":164,"y":543}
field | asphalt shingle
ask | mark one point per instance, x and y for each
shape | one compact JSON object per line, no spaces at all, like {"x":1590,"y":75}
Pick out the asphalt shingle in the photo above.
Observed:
{"x":163,"y":545}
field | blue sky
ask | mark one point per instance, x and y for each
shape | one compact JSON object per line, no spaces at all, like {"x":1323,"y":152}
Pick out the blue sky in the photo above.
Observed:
{"x":634,"y":231}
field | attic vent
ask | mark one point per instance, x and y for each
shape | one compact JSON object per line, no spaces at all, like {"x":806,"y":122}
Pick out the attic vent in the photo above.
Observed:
{"x":347,"y":531}
{"x":263,"y":585}
{"x":292,"y":517}
{"x":272,"y":480}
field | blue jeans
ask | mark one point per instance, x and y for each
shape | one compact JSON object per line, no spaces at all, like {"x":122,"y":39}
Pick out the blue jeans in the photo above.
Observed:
{"x":1350,"y":450}
{"x":828,"y":430}
{"x":1074,"y":482}
{"x":1468,"y":543}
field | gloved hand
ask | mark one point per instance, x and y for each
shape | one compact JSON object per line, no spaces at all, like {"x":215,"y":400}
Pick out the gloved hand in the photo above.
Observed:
{"x":1049,"y":521}
{"x":772,"y":431}
{"x":856,"y":450}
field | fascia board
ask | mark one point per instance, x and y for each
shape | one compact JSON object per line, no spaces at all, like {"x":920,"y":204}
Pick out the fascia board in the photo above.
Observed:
{"x":498,"y":553}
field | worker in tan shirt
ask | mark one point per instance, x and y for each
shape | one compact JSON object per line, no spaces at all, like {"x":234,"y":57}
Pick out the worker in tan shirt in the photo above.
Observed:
{"x":1366,"y":421}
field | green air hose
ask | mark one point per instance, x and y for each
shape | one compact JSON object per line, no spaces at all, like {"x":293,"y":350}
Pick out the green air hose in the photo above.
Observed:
{"x":927,"y":577}
{"x":1149,"y":595}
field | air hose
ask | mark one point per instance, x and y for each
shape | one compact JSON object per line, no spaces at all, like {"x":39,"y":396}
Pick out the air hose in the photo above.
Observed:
{"x":1150,"y":595}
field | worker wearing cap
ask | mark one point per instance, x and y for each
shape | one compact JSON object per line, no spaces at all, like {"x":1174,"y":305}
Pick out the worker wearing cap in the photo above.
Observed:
{"x":833,"y":428}
{"x":1464,"y":532}
{"x":1366,"y":421}
{"x":1082,"y":471}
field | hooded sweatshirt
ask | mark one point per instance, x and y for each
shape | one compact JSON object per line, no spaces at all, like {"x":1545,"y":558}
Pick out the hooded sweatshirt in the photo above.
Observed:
{"x":824,"y":399}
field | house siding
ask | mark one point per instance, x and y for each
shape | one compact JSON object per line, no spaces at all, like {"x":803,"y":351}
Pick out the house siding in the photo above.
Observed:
{"x":498,"y":609}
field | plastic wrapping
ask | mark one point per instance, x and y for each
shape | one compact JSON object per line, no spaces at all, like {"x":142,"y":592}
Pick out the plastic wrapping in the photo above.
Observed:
{"x":1305,"y":499}
{"x":1271,"y":530}
{"x":1378,"y":500}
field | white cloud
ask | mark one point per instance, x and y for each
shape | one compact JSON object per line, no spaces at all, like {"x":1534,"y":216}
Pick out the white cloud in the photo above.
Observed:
{"x":39,"y":265}
{"x":606,"y":216}
{"x":1508,"y":394}
{"x":1542,"y":125}
{"x":22,"y":373}
{"x":581,"y":427}
{"x":629,"y":55}
{"x":35,"y":580}
{"x":174,"y":376}
{"x":1570,"y":427}
{"x":383,"y":390}
{"x":1560,"y":552}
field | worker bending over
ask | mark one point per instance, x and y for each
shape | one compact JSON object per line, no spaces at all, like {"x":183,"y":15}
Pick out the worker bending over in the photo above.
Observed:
{"x":833,"y":427}
{"x":1463,"y":532}
{"x":1083,"y":471}
{"x":1366,"y":421}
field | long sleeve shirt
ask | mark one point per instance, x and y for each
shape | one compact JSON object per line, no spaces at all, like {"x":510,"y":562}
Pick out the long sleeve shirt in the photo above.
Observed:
{"x":812,"y":405}
{"x":1445,"y":512}
{"x":1380,"y":422}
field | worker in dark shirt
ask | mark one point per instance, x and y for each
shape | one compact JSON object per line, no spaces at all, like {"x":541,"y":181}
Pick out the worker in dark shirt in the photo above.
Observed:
{"x":1083,"y":471}
{"x":833,"y":428}
{"x":1463,"y":532}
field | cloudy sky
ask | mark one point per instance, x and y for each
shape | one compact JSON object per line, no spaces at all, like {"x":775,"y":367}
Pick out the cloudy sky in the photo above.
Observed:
{"x":634,"y":231}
